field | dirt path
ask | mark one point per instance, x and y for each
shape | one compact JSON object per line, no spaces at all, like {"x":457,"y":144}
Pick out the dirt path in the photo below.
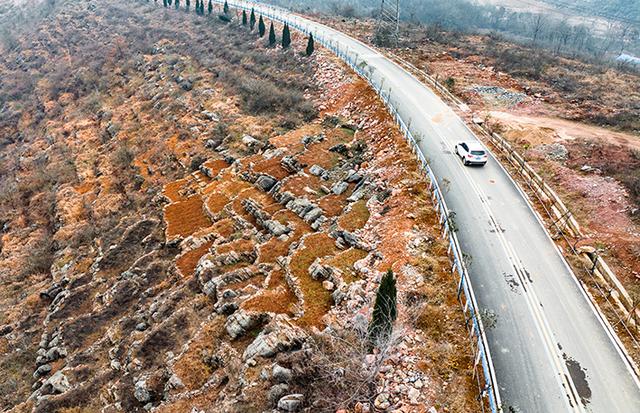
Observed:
{"x":564,"y":129}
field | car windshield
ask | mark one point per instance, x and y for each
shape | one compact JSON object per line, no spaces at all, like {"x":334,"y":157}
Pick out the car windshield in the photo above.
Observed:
{"x":477,"y":152}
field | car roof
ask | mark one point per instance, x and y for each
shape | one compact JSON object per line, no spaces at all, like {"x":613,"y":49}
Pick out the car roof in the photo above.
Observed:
{"x":474,"y":145}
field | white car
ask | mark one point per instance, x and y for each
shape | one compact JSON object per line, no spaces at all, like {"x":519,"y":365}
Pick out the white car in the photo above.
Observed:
{"x":472,"y":153}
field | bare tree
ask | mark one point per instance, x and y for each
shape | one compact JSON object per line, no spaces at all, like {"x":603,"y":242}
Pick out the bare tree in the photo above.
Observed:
{"x":538,"y":24}
{"x":342,"y":371}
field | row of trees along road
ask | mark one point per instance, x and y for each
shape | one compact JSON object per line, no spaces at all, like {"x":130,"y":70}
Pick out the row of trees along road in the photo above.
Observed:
{"x":246,"y":20}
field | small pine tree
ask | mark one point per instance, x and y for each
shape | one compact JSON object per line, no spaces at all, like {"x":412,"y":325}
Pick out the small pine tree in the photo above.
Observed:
{"x":169,"y":2}
{"x":252,"y":20}
{"x":286,"y":36}
{"x":209,"y":7}
{"x":225,"y":8}
{"x":188,"y":4}
{"x":164,"y":3}
{"x":177,"y":3}
{"x":262,"y":29}
{"x":244,"y":17}
{"x":310,"y":45}
{"x":384,"y":310}
{"x":272,"y":35}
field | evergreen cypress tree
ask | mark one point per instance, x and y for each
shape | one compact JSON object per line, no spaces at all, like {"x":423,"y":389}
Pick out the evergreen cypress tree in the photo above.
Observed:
{"x":197,"y":8}
{"x":252,"y":20}
{"x":169,"y":2}
{"x":188,"y":4}
{"x":261,"y":27}
{"x":384,"y":310}
{"x":177,"y":3}
{"x":164,"y":3}
{"x":310,"y":45}
{"x":225,"y":8}
{"x":244,"y":17}
{"x":272,"y":35}
{"x":286,"y":36}
{"x":209,"y":7}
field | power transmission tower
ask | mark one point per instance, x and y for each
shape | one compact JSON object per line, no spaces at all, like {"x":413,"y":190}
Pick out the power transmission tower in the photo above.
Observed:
{"x":388,"y":25}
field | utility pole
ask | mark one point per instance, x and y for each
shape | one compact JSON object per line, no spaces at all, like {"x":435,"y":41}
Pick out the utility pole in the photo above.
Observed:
{"x":388,"y":25}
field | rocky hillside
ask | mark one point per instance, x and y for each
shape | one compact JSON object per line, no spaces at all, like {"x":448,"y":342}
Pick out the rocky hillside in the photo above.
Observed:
{"x":192,"y":221}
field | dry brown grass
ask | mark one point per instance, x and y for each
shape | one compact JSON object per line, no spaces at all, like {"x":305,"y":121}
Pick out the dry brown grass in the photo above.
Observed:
{"x":275,"y":248}
{"x":183,"y":218}
{"x":191,"y":366}
{"x":277,"y":298}
{"x":215,"y":165}
{"x":356,"y":218}
{"x":317,"y":300}
{"x":172,"y":189}
{"x":332,"y":204}
{"x":344,"y":262}
{"x":216,"y":202}
{"x":188,"y":261}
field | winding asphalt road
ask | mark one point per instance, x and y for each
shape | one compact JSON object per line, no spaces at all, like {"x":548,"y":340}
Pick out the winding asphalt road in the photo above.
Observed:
{"x":551,"y":350}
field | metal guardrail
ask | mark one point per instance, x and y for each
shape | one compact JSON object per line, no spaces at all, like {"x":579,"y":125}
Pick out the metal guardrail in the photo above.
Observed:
{"x":489,"y":389}
{"x":483,"y":364}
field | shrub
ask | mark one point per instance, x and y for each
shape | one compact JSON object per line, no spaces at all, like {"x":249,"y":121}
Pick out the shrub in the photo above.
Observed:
{"x":310,"y":45}
{"x":384,"y":311}
{"x":40,"y":258}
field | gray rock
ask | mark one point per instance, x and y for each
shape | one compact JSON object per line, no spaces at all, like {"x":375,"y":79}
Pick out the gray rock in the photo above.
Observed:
{"x":339,"y":187}
{"x":141,"y":392}
{"x":56,"y":353}
{"x":291,"y":402}
{"x":56,"y":384}
{"x":357,"y":194}
{"x":307,"y":140}
{"x":252,"y":142}
{"x":274,"y":339}
{"x":276,"y":392}
{"x":353,"y":177}
{"x":312,"y":215}
{"x":319,"y":272}
{"x":382,"y":401}
{"x":317,"y":170}
{"x":291,"y":164}
{"x":212,"y":143}
{"x":281,"y":374}
{"x":227,"y":309}
{"x":210,"y":115}
{"x":265,"y":182}
{"x":113,"y":129}
{"x":414,"y":395}
{"x":141,"y":326}
{"x":340,"y":148}
{"x":276,"y":228}
{"x":42,"y":370}
{"x":555,"y":151}
{"x":242,"y":321}
{"x":318,"y":222}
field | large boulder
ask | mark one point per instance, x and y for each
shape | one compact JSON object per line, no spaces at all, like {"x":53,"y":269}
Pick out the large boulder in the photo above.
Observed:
{"x":56,"y":384}
{"x":291,"y":402}
{"x":275,"y":338}
{"x":266,"y":182}
{"x":240,"y":322}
